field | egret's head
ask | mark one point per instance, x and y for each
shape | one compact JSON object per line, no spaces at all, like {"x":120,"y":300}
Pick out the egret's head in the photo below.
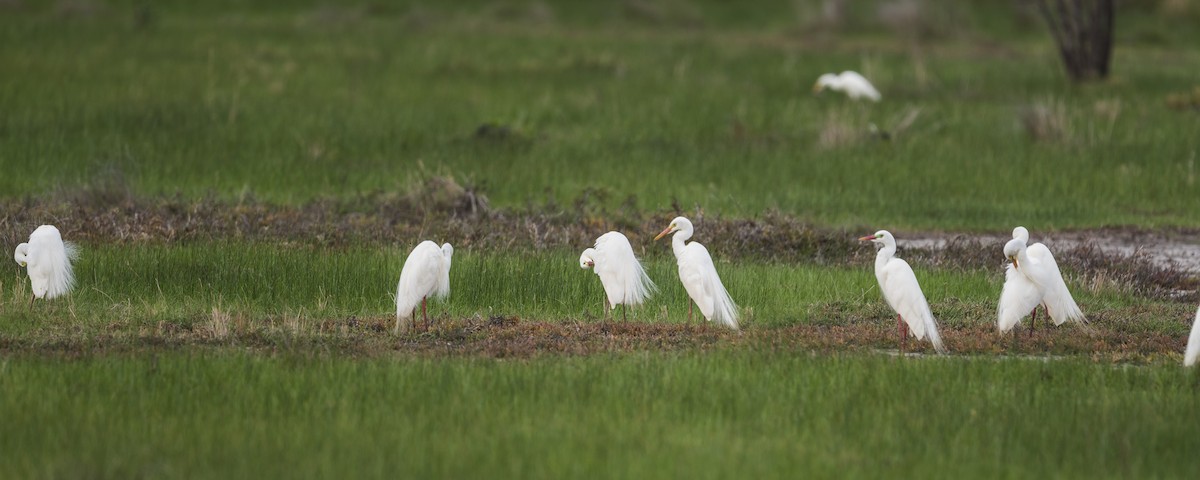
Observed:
{"x":677,"y":225}
{"x":1021,"y":233}
{"x":1012,"y":250}
{"x":21,"y":255}
{"x":586,"y":260}
{"x":880,"y":237}
{"x":827,"y":80}
{"x":447,"y":250}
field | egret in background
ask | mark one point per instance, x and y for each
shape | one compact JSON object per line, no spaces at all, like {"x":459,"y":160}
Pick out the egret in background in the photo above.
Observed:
{"x":851,"y":83}
{"x":625,"y":281}
{"x":47,"y":260}
{"x":426,"y":274}
{"x":1193,"y":347}
{"x":1033,"y":279}
{"x":699,"y":276}
{"x":902,"y":292}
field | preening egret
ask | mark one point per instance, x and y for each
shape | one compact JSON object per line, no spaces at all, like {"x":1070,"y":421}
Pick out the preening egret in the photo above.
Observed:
{"x":426,"y":274}
{"x":625,"y":281}
{"x":1193,"y":347}
{"x":902,"y":292}
{"x":1033,"y":279}
{"x":699,"y":276}
{"x":47,"y":260}
{"x":851,"y":83}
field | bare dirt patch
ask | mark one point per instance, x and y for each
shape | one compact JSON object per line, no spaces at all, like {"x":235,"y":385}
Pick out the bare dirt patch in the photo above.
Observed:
{"x":1128,"y":335}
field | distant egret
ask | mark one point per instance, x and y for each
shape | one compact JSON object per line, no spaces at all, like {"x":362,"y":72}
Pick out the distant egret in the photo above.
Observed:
{"x":699,"y":276}
{"x":851,"y":83}
{"x":426,"y":274}
{"x":1193,"y":347}
{"x":47,"y":260}
{"x":902,"y":292}
{"x":1033,"y":279}
{"x":625,"y":281}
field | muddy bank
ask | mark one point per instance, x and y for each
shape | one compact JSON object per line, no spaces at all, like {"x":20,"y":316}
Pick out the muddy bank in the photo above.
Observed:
{"x":1165,"y":248}
{"x":1122,"y":335}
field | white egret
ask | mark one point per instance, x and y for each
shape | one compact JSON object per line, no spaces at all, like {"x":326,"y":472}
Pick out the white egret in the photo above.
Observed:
{"x":902,"y":292}
{"x":699,"y":276}
{"x":625,"y":281}
{"x":1193,"y":346}
{"x":851,"y":83}
{"x":426,"y":274}
{"x":47,"y":260}
{"x":1033,"y":279}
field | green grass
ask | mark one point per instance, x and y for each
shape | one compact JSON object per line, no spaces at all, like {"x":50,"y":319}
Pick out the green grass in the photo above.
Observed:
{"x":144,"y":285}
{"x":717,"y":415}
{"x":290,"y":101}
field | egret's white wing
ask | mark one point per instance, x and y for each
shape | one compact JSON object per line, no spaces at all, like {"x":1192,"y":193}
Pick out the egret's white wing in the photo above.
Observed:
{"x":1041,"y":253}
{"x":703,"y":284}
{"x":1019,"y":297}
{"x":49,"y":263}
{"x":691,"y":274}
{"x":1193,"y":345}
{"x":608,"y":266}
{"x":1059,"y":303}
{"x":903,"y":293}
{"x":857,"y":86}
{"x":419,"y":278}
{"x":442,"y":289}
{"x":631,"y":284}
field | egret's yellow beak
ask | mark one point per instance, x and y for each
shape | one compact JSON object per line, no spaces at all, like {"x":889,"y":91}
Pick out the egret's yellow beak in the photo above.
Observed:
{"x":817,"y":87}
{"x":663,"y":234}
{"x":23,"y":264}
{"x":866,"y":238}
{"x":1016,"y":264}
{"x":591,"y":263}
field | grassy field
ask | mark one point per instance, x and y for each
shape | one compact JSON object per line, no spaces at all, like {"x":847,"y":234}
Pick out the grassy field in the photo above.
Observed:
{"x":295,"y":101}
{"x":245,"y":181}
{"x":766,"y":415}
{"x":149,"y":284}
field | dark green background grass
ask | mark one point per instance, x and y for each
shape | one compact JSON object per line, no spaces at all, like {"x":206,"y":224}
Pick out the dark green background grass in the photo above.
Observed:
{"x":292,"y":101}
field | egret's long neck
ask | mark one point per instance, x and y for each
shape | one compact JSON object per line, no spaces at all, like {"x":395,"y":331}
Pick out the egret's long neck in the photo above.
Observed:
{"x":885,"y":255}
{"x":677,"y":241}
{"x":1023,"y":259}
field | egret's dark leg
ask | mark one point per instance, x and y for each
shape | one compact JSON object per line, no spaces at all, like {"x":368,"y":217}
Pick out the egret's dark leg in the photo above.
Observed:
{"x":900,"y":328}
{"x":31,"y":299}
{"x":1033,"y":322}
{"x":424,"y":315}
{"x":689,"y":311}
{"x":625,"y":313}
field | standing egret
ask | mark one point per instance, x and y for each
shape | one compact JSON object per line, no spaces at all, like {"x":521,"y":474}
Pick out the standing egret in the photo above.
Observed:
{"x":1033,"y":279}
{"x":625,"y":281}
{"x":1019,"y":296}
{"x":851,"y":83}
{"x":1193,"y":347}
{"x":426,"y":274}
{"x":902,"y":292}
{"x":699,"y":276}
{"x":47,"y":260}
